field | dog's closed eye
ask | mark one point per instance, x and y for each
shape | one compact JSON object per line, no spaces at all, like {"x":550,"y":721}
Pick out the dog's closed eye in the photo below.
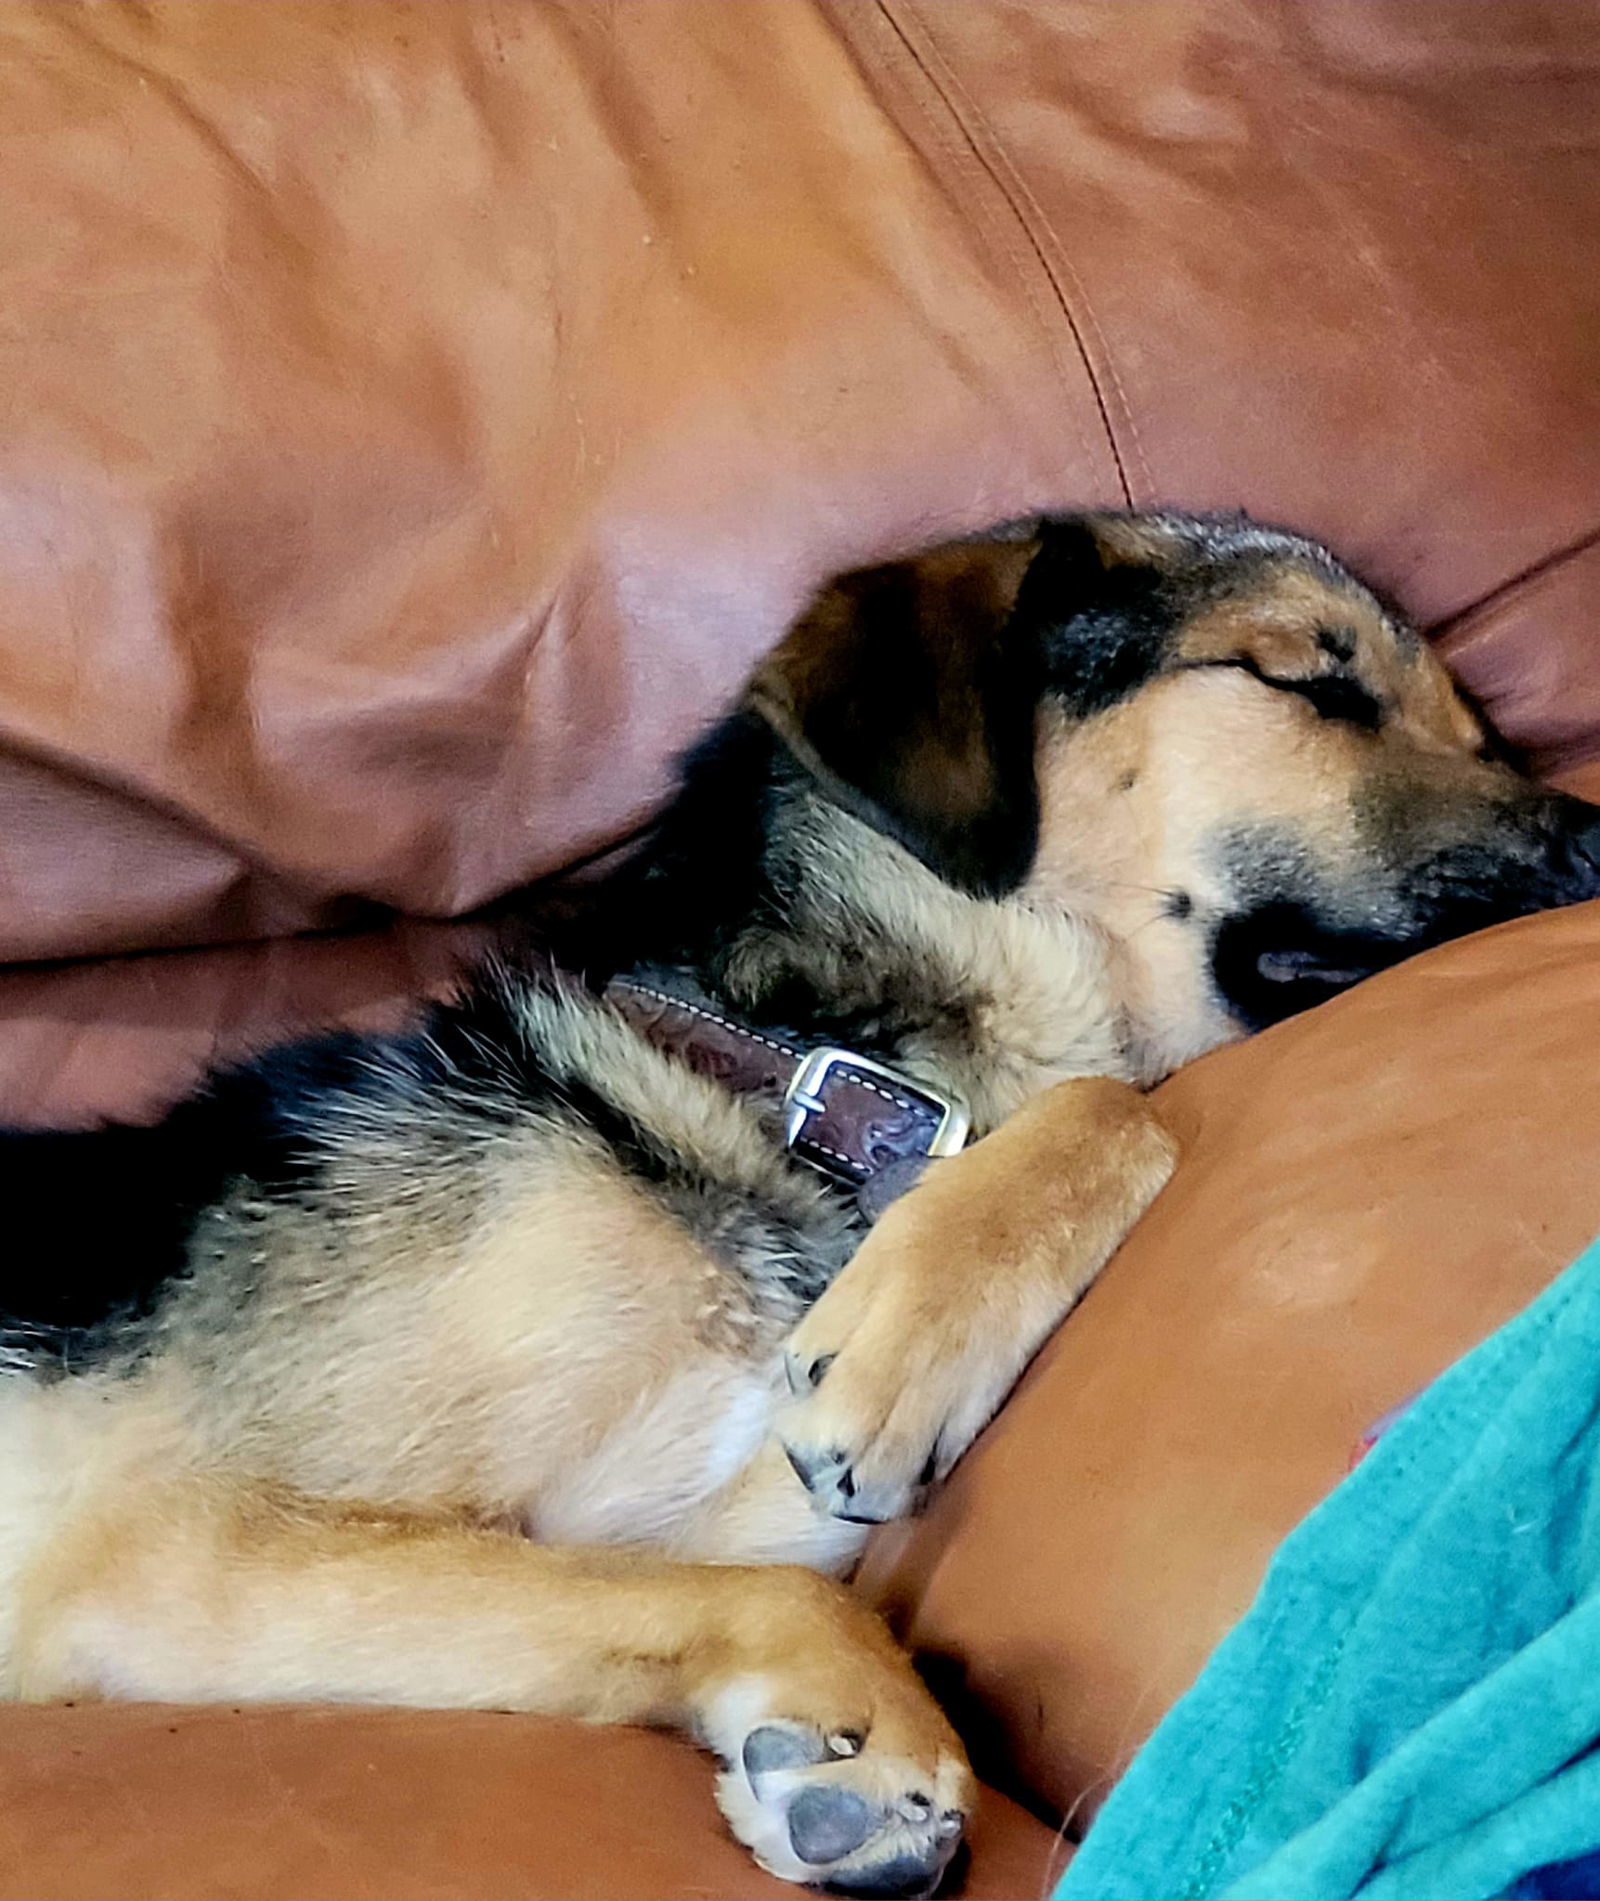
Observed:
{"x":1334,"y":696}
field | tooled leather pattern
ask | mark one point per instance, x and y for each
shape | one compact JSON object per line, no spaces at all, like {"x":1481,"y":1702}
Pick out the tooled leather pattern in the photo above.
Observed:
{"x":865,"y":1125}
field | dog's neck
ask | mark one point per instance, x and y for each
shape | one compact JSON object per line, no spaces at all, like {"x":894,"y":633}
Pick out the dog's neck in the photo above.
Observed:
{"x":795,"y":915}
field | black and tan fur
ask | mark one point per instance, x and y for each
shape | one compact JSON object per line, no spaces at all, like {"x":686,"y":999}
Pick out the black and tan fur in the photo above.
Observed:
{"x":479,"y":1365}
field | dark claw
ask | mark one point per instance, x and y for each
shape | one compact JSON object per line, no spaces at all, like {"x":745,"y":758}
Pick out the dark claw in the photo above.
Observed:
{"x":808,"y":1466}
{"x":806,"y":1379}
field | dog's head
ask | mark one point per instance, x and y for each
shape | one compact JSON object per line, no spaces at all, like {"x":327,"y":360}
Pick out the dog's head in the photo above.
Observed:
{"x":1203,"y":735}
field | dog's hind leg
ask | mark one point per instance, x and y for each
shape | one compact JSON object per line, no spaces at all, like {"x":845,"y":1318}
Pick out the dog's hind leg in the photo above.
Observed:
{"x":838,"y":1766}
{"x":909,"y":1353}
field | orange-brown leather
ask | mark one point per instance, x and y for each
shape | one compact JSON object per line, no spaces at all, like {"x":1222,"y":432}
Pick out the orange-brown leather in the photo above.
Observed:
{"x":415,"y":418}
{"x":150,"y":1804}
{"x":1365,"y":1192}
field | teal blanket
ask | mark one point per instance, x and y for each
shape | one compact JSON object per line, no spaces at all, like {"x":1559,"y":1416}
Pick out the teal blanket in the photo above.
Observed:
{"x":1412,"y":1705}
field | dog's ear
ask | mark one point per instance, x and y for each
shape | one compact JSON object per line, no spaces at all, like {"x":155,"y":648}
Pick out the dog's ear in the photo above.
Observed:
{"x":910,"y":694}
{"x":1101,"y":600}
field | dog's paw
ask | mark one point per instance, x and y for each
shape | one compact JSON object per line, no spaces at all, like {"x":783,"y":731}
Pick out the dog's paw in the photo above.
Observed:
{"x":911,"y":1351}
{"x":888,"y":1394}
{"x":839,"y":1768}
{"x":873,"y":1810}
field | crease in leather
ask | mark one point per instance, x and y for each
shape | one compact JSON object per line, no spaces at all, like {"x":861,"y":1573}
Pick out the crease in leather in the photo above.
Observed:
{"x":149,"y":73}
{"x":1042,"y":242}
{"x":1562,"y":743}
{"x":82,"y":771}
{"x":1508,"y":591}
{"x":1076,"y":308}
{"x":987,"y":157}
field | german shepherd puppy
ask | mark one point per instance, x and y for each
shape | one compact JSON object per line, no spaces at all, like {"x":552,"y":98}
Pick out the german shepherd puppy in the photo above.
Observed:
{"x":518,"y":1362}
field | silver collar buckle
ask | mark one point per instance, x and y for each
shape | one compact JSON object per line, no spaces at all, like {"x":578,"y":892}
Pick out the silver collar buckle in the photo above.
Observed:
{"x":803,"y":1098}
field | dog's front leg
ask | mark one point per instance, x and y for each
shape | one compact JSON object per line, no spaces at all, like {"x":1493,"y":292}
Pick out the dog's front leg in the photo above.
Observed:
{"x":838,"y":1765}
{"x":911,"y":1351}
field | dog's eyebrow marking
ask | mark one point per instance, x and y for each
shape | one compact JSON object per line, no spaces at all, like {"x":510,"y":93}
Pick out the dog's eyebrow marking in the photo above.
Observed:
{"x":1337,"y":696}
{"x":1338,"y":642}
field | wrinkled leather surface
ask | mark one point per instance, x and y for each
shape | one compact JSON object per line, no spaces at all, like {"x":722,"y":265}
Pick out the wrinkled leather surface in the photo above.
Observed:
{"x":90,"y":1042}
{"x":417,"y":417}
{"x":1365,"y":1192}
{"x":152,"y":1804}
{"x":1318,"y":257}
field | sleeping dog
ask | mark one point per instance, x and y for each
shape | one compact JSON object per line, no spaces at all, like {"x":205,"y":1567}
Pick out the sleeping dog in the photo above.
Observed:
{"x":550,"y":1356}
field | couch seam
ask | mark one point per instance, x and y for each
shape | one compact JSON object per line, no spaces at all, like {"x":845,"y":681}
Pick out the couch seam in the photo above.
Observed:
{"x":967,"y":157}
{"x":1044,"y":242}
{"x":1507,"y":591}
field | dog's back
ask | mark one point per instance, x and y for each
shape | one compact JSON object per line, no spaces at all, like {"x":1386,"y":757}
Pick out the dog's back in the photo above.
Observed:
{"x":100,"y":1219}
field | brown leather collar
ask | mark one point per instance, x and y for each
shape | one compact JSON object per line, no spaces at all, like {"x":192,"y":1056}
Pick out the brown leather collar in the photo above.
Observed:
{"x":855,"y":1119}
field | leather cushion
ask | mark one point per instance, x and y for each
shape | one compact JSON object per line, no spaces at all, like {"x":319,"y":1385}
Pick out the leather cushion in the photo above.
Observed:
{"x":1365,"y":1193}
{"x":155,"y":1804}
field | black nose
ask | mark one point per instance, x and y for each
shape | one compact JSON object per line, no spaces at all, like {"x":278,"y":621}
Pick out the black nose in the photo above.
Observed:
{"x":1579,"y":834}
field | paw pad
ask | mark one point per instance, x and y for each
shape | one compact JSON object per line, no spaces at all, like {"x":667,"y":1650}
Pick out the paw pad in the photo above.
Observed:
{"x":819,"y":1803}
{"x":776,"y":1746}
{"x":827,"y":1822}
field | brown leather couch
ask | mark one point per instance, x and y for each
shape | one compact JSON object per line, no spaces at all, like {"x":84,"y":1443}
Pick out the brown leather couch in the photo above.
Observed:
{"x":414,"y":418}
